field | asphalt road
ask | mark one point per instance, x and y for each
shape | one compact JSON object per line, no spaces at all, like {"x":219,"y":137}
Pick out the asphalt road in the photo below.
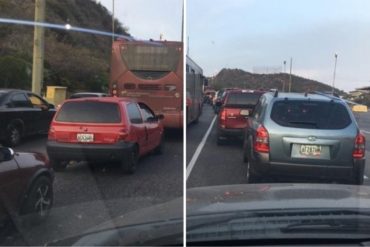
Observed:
{"x":221,"y":165}
{"x":86,"y":196}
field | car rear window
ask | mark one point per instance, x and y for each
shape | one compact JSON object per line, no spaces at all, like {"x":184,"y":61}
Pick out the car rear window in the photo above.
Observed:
{"x":310,"y":114}
{"x":240,"y":99}
{"x":89,"y":112}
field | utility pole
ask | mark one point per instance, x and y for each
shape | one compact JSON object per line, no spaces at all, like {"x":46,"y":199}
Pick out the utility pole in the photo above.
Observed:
{"x":335,"y":69}
{"x":284,"y":66}
{"x":38,"y":48}
{"x":182,"y":22}
{"x":112,"y":21}
{"x":290,"y":74}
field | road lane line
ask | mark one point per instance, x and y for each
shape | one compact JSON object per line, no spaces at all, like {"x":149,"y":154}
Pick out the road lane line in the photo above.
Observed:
{"x":366,"y":132}
{"x":199,"y":149}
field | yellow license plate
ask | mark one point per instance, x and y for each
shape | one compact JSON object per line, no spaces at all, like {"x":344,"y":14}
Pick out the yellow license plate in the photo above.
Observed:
{"x":310,"y":150}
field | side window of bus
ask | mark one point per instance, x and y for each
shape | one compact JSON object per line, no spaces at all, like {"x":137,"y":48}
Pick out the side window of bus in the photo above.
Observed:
{"x":147,"y":113}
{"x":134,"y":114}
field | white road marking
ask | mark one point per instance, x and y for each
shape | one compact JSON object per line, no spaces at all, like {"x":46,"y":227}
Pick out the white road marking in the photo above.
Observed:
{"x":365,"y":131}
{"x":199,"y":149}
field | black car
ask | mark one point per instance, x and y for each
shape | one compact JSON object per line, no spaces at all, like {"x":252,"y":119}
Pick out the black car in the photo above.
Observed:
{"x":22,"y":113}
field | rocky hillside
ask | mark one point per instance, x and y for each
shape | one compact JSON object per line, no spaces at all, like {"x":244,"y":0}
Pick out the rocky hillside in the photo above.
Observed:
{"x":243,"y":79}
{"x":79,"y":61}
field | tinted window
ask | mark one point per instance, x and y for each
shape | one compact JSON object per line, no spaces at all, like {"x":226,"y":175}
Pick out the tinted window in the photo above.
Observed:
{"x":134,"y":113}
{"x":310,"y":114}
{"x":20,"y":100}
{"x":242,"y":99}
{"x":89,"y":112}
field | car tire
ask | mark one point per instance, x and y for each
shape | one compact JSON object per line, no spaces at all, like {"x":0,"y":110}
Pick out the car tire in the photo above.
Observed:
{"x":38,"y":201}
{"x":359,"y":176}
{"x":252,"y":177}
{"x":58,"y":166}
{"x":159,"y":149}
{"x":14,"y":135}
{"x":129,"y":165}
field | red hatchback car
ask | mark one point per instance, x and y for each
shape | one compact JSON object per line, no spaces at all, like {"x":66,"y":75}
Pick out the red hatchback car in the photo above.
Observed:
{"x":233,"y":116}
{"x":103,"y":129}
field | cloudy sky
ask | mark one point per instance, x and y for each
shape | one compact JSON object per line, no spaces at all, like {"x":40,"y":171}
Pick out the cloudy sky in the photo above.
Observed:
{"x":147,"y":19}
{"x":249,"y":33}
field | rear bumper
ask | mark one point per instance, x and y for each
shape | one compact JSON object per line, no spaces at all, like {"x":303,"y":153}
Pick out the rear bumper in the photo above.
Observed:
{"x":261,"y":165}
{"x":88,"y":152}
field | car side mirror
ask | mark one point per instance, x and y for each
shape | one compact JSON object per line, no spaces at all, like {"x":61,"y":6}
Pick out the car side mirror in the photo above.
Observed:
{"x":160,"y":116}
{"x":51,"y":106}
{"x":6,"y":154}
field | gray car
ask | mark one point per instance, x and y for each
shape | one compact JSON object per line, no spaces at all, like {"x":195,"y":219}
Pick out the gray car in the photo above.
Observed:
{"x":312,"y":136}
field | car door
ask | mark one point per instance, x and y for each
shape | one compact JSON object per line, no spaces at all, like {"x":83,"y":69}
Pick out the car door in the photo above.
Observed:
{"x":20,"y":108}
{"x":138,"y":127}
{"x":152,"y":126}
{"x":10,"y":187}
{"x":43,"y":114}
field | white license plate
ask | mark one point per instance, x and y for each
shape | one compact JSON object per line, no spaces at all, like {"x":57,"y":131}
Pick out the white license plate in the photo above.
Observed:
{"x":85,"y":137}
{"x":310,"y":150}
{"x":244,"y":112}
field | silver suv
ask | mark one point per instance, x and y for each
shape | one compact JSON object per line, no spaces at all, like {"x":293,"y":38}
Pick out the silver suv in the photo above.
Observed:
{"x":309,"y":135}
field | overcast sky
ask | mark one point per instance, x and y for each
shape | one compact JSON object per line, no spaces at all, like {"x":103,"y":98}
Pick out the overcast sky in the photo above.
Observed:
{"x":147,"y":19}
{"x":249,"y":33}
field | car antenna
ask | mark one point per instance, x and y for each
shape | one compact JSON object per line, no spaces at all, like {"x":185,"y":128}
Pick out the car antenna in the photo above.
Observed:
{"x":276,"y":93}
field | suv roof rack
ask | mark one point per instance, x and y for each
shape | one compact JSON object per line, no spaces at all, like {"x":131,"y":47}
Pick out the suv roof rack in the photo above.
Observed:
{"x":331,"y":96}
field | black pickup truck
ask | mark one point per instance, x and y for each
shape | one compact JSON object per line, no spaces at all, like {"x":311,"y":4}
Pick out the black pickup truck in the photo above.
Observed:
{"x":22,"y":113}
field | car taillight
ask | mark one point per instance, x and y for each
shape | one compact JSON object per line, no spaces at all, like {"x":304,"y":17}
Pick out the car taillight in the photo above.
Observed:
{"x":222,"y":118}
{"x":51,"y":134}
{"x":261,"y":143}
{"x":122,"y":134}
{"x":359,"y":150}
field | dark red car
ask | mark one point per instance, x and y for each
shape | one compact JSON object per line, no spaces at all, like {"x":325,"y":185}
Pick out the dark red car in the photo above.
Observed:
{"x":103,"y":129}
{"x":26,"y":186}
{"x":233,"y":116}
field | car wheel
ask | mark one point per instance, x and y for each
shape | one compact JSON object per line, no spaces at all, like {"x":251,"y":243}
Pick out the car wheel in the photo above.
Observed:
{"x":38,"y":201}
{"x":159,"y":149}
{"x":129,"y":164}
{"x":359,"y":176}
{"x":252,"y":177}
{"x":14,"y":135}
{"x":58,"y":165}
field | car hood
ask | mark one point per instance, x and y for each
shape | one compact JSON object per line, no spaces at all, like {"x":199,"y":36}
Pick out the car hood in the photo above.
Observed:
{"x":161,"y":224}
{"x":232,"y":198}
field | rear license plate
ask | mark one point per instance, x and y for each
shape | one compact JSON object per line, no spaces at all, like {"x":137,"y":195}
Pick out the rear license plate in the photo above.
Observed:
{"x":310,"y":150}
{"x":85,"y":137}
{"x":244,"y":112}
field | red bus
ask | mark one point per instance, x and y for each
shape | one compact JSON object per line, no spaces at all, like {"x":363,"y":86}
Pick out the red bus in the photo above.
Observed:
{"x":151,"y":72}
{"x":194,"y":90}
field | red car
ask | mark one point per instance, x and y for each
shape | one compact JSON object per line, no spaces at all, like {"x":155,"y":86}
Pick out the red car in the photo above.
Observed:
{"x":233,"y":116}
{"x":103,"y":129}
{"x":26,"y":186}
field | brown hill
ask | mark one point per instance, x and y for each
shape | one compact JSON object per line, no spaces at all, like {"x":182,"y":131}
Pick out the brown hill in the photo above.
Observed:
{"x":244,"y":79}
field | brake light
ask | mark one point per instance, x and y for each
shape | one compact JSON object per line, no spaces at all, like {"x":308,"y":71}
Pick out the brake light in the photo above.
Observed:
{"x":122,"y":134}
{"x":51,"y":134}
{"x":222,"y":118}
{"x":261,"y":143}
{"x":359,"y":150}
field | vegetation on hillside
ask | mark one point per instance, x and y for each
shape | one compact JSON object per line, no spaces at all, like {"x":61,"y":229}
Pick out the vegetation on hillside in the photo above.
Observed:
{"x":79,"y":61}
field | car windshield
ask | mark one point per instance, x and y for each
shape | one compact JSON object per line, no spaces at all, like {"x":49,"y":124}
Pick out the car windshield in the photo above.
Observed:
{"x":89,"y":112}
{"x":283,"y":155}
